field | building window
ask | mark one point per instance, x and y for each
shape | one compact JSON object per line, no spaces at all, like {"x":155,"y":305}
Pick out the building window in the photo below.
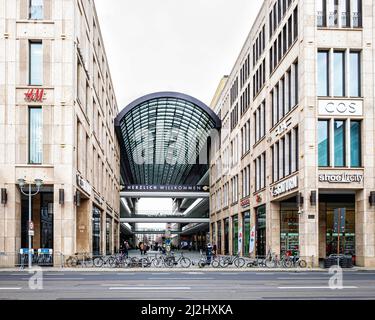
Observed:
{"x":246,"y":182}
{"x":355,"y":74}
{"x":35,"y":135}
{"x":234,"y":182}
{"x":345,"y":147}
{"x":323,"y":73}
{"x":260,"y":172}
{"x":36,"y":64}
{"x":260,"y":122}
{"x":339,"y":143}
{"x":285,"y":155}
{"x":339,"y":13}
{"x":36,"y":10}
{"x":355,"y":144}
{"x":332,"y":79}
{"x":323,"y":143}
{"x":339,"y":73}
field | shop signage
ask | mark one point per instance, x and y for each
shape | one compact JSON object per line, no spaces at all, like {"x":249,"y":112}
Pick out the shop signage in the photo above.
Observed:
{"x":167,"y":188}
{"x":35,"y":95}
{"x":252,"y":240}
{"x":84,"y":185}
{"x":245,"y":203}
{"x":340,"y":108}
{"x":283,"y":127}
{"x":341,"y":178}
{"x":285,"y":186}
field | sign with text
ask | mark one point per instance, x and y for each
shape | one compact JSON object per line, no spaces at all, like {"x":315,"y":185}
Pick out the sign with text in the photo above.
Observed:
{"x":285,"y":186}
{"x":167,"y":188}
{"x":340,"y":108}
{"x":252,"y":240}
{"x":341,"y":178}
{"x":34,"y":95}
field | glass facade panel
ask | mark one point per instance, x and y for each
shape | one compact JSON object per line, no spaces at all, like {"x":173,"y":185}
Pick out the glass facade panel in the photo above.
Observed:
{"x":108,"y":235}
{"x":323,"y":67}
{"x":339,"y":140}
{"x":323,"y":143}
{"x":35,"y":136}
{"x":339,"y":74}
{"x":226,"y":236}
{"x":36,"y":64}
{"x":355,"y":144}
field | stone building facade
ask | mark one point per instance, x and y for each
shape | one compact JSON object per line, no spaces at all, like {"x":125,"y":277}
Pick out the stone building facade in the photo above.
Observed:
{"x":297,"y":144}
{"x":57,"y":110}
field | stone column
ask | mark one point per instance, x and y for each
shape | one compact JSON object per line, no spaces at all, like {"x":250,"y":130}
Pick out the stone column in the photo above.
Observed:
{"x":273,"y":227}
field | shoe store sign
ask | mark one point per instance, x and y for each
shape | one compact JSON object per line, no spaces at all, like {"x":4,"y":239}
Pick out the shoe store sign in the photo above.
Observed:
{"x":285,"y":186}
{"x":341,"y":178}
{"x":340,"y":108}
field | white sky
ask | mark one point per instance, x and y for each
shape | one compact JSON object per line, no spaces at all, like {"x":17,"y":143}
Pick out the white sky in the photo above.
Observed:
{"x":173,"y":45}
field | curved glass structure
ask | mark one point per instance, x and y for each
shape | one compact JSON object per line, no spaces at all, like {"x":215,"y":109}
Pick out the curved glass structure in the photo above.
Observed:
{"x":163,"y":139}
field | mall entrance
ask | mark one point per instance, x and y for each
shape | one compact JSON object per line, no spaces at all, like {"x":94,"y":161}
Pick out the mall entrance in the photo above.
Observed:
{"x":289,"y":227}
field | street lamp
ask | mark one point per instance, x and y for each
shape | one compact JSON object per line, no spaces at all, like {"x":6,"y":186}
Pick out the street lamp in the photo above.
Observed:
{"x":22,"y":184}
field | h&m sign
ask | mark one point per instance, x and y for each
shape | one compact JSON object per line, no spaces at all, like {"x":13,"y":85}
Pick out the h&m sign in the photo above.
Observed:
{"x":35,"y":95}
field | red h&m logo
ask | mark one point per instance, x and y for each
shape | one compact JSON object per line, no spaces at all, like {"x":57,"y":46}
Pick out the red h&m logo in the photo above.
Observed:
{"x":34,"y":95}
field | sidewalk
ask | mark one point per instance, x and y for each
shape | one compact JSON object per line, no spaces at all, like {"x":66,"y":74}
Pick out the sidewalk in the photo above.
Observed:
{"x":181,"y":270}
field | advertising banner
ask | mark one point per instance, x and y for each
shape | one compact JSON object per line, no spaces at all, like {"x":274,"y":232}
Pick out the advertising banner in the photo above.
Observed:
{"x":252,"y":240}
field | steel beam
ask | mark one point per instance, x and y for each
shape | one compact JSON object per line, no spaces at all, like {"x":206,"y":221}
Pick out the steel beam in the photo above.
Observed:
{"x":165,"y":220}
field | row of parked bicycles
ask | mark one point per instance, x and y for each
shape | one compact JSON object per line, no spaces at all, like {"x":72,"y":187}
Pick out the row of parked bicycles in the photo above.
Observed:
{"x":172,"y":260}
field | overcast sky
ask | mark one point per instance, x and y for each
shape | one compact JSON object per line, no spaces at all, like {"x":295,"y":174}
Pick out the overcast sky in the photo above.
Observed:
{"x":173,"y":45}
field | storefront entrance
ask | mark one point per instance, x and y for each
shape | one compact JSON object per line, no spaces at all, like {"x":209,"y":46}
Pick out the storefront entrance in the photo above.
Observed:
{"x":337,"y":241}
{"x":226,"y":236}
{"x":246,"y":233}
{"x":96,"y":231}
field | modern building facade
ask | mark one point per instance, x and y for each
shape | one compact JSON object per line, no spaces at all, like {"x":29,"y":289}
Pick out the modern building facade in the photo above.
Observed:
{"x":57,"y":110}
{"x":297,"y":144}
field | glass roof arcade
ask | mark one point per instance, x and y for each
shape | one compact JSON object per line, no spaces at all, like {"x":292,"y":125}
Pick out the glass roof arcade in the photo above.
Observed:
{"x":161,"y":136}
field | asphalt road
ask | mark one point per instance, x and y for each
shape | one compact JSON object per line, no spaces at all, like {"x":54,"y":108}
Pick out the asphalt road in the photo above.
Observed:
{"x":187,"y":285}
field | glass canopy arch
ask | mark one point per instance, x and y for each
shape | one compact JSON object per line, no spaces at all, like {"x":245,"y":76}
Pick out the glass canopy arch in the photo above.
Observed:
{"x":161,"y":137}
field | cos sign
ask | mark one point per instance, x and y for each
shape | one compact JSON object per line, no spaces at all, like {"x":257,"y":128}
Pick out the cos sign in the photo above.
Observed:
{"x":340,"y":108}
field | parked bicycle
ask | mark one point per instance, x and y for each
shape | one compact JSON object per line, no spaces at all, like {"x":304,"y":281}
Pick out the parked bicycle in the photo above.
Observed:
{"x":83,"y":259}
{"x":236,"y":260}
{"x":171,"y":261}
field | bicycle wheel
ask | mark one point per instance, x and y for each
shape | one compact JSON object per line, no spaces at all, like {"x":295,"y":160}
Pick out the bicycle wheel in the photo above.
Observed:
{"x":185,"y":263}
{"x":88,"y":262}
{"x":71,"y":262}
{"x":169,"y":263}
{"x":239,"y":262}
{"x":202,"y":263}
{"x":302,"y":263}
{"x":287,"y":263}
{"x":98,"y":262}
{"x":270,"y":263}
{"x":224,"y":263}
{"x":215,"y":263}
{"x":157,"y":262}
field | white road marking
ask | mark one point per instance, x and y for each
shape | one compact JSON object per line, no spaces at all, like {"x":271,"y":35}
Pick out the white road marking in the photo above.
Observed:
{"x":186,"y":279}
{"x":156,"y":274}
{"x":126,"y":274}
{"x":264,"y":273}
{"x":150,"y":288}
{"x":229,"y":273}
{"x":348,"y":287}
{"x":193,"y":273}
{"x":10,"y":288}
{"x":54,"y":279}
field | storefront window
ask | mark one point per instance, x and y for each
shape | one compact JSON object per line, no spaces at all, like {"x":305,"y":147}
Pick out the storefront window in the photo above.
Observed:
{"x":261,"y":231}
{"x":339,"y":140}
{"x":96,"y":221}
{"x":35,"y":136}
{"x":219,"y":237}
{"x":246,"y":233}
{"x":226,"y":236}
{"x":108,"y":235}
{"x":46,"y":221}
{"x":289,"y":231}
{"x":235,"y":234}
